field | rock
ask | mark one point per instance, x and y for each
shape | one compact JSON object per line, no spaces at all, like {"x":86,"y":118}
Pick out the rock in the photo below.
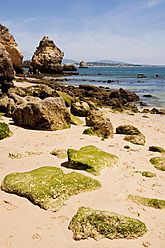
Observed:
{"x":32,"y":99}
{"x":127,"y":129}
{"x":156,"y":149}
{"x":92,"y":105}
{"x":124,"y":94}
{"x":136,"y":139}
{"x":17,"y":99}
{"x":47,"y":57}
{"x":75,"y":120}
{"x":48,"y":114}
{"x":46,"y":91}
{"x":148,"y":95}
{"x":4,"y":130}
{"x":17,"y":90}
{"x":157,"y":111}
{"x":48,"y":187}
{"x":8,"y":41}
{"x":67,"y":98}
{"x":69,"y":67}
{"x":91,"y":159}
{"x":79,"y":108}
{"x":101,"y":126}
{"x":158,"y":162}
{"x":96,"y":224}
{"x":150,"y":202}
{"x":6,"y":70}
{"x":83,"y":64}
{"x":60,"y":153}
{"x":87,"y":87}
{"x":7,"y":105}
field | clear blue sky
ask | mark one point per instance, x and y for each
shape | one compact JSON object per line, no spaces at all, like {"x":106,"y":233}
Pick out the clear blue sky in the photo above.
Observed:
{"x":123,"y":30}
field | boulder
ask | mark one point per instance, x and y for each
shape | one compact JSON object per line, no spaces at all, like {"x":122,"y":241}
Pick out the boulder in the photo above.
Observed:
{"x":124,"y":94}
{"x":83,"y":64}
{"x":17,"y":99}
{"x":6,"y":70}
{"x":79,"y":108}
{"x":48,"y":114}
{"x":46,"y":91}
{"x":69,"y":67}
{"x":48,"y":187}
{"x":17,"y":90}
{"x":136,"y":139}
{"x":47,"y":57}
{"x":5,"y":102}
{"x":127,"y":129}
{"x":8,"y":41}
{"x":101,"y":126}
{"x":97,"y":224}
{"x":91,"y":159}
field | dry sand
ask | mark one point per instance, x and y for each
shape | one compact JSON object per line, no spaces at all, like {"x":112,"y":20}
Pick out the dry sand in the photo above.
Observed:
{"x":23,"y":224}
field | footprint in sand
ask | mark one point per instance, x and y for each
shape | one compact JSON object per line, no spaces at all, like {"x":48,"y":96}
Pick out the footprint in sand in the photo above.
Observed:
{"x":8,"y":205}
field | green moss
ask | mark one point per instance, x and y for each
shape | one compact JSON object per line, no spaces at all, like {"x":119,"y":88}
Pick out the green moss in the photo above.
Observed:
{"x":146,"y":173}
{"x":75,"y":120}
{"x":67,"y":98}
{"x":60,"y":153}
{"x":158,"y":162}
{"x":48,"y":186}
{"x":4,"y":130}
{"x":156,"y":149}
{"x":145,"y":111}
{"x":89,"y":131}
{"x":91,"y":159}
{"x":150,"y":202}
{"x":145,"y":116}
{"x":18,"y":155}
{"x":89,"y":223}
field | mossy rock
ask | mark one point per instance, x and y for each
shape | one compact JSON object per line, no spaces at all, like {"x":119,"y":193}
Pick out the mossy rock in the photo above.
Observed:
{"x":48,"y":186}
{"x":4,"y":130}
{"x":145,"y":111}
{"x":146,"y":173}
{"x":128,"y":130}
{"x":75,"y":120}
{"x":67,"y":98}
{"x":136,"y":139}
{"x":91,"y":159}
{"x":60,"y":153}
{"x":89,"y":131}
{"x":127,"y":147}
{"x":156,"y":149}
{"x":150,"y":202}
{"x":96,"y":224}
{"x":158,"y":162}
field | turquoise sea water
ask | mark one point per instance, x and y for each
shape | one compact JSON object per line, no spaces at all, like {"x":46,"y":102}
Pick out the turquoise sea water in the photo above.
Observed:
{"x":126,"y":78}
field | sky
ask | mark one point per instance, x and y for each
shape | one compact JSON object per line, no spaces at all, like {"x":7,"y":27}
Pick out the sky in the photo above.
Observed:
{"x":132,"y":31}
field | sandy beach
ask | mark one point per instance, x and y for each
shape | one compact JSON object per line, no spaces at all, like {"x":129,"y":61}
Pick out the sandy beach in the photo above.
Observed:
{"x":24,"y":224}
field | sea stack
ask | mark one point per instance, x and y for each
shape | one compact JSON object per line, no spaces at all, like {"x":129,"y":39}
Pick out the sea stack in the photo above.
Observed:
{"x":8,"y":41}
{"x":47,"y":57}
{"x":83,"y":64}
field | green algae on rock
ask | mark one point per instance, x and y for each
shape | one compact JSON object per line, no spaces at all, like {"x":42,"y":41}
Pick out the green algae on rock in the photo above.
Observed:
{"x":128,"y":130}
{"x":4,"y":130}
{"x":49,"y":187}
{"x":156,"y":149}
{"x":158,"y":162}
{"x":146,"y":173}
{"x":67,"y":98}
{"x":150,"y":202}
{"x":60,"y":153}
{"x":75,"y":120}
{"x":89,"y":223}
{"x":91,"y":159}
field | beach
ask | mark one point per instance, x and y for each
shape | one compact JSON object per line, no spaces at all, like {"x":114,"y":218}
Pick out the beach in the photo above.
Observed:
{"x":24,"y":224}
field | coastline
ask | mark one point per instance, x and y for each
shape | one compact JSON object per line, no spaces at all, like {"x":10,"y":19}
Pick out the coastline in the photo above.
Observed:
{"x":24,"y":224}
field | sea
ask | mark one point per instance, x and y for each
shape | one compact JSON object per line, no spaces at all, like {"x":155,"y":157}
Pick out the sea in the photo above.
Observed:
{"x":152,"y":85}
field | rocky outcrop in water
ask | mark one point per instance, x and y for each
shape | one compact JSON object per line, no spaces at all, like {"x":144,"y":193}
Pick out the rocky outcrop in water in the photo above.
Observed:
{"x":69,"y":67}
{"x":47,"y":57}
{"x":8,"y":41}
{"x":83,"y":64}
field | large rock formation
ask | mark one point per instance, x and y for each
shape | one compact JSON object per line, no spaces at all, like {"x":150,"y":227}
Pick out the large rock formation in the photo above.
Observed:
{"x":83,"y":64}
{"x":47,"y":57}
{"x":8,"y":41}
{"x":6,"y":70}
{"x":47,"y":114}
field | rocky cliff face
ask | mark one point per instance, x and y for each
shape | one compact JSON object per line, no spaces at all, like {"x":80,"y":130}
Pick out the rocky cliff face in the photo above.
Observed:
{"x":6,"y":70}
{"x":8,"y":41}
{"x":47,"y":57}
